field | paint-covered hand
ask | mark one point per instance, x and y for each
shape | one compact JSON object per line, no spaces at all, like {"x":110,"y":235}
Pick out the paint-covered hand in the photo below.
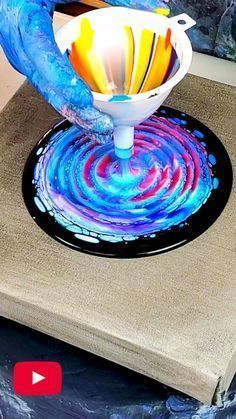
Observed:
{"x":27,"y":38}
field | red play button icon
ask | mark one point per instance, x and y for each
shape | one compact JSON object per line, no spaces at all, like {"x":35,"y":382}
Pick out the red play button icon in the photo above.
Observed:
{"x":37,"y":378}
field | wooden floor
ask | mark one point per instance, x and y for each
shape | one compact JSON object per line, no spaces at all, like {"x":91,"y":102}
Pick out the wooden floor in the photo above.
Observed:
{"x":172,"y":316}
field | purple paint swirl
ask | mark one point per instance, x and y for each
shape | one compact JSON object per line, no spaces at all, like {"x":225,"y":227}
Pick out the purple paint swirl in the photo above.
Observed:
{"x":96,"y":196}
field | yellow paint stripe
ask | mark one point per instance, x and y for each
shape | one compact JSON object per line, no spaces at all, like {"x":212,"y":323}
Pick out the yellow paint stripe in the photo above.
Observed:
{"x":86,"y":62}
{"x":81,"y":66}
{"x":143,"y":50}
{"x":129,"y":58}
{"x":159,"y":65}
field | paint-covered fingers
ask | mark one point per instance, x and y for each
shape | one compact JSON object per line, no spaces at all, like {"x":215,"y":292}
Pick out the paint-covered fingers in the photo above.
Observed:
{"x":100,"y":125}
{"x":91,"y":119}
{"x":54,"y":76}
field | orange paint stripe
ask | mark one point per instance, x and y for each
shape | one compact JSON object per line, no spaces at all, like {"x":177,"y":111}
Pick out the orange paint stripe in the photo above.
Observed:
{"x":81,"y":66}
{"x":160,"y":63}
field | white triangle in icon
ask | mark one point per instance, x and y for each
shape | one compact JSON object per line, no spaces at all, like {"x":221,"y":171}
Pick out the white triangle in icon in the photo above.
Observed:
{"x":36,"y":378}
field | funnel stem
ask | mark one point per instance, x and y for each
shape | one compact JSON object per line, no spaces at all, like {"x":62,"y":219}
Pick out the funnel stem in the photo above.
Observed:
{"x":124,"y":141}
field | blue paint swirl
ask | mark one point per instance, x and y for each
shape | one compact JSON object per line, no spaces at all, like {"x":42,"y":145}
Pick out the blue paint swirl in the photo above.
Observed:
{"x":92,"y":193}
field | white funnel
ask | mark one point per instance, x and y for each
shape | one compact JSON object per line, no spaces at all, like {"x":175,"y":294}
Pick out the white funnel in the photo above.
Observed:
{"x":130,"y":59}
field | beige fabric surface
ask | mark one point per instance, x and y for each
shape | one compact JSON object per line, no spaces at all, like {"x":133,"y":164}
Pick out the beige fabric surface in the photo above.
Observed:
{"x":172,"y":316}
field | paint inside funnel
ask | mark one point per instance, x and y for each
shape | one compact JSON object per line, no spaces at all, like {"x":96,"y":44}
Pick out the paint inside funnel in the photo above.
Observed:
{"x":121,"y":59}
{"x":172,"y":189}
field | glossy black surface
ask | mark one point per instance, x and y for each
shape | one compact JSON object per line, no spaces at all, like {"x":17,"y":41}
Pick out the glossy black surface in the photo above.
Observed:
{"x":159,"y":241}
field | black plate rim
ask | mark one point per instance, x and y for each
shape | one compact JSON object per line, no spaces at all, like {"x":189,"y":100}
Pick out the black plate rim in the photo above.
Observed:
{"x":128,"y":250}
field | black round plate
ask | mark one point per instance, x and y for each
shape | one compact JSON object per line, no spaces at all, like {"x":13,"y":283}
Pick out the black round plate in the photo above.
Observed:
{"x":185,"y":156}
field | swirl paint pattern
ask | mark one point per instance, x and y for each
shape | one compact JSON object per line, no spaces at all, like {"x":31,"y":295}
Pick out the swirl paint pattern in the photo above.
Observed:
{"x":99,"y":199}
{"x":87,"y":188}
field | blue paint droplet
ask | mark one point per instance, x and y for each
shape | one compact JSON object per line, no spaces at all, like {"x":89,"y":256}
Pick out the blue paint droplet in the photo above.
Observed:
{"x":216,"y":183}
{"x":183,"y":122}
{"x":39,"y":204}
{"x":203,"y":144}
{"x":128,"y":238}
{"x":39,"y":151}
{"x":212,"y":159}
{"x":163,"y":111}
{"x":74,"y":228}
{"x":87,"y":238}
{"x":198,"y":134}
{"x":119,"y":98}
{"x":177,"y":120}
{"x":172,"y":120}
